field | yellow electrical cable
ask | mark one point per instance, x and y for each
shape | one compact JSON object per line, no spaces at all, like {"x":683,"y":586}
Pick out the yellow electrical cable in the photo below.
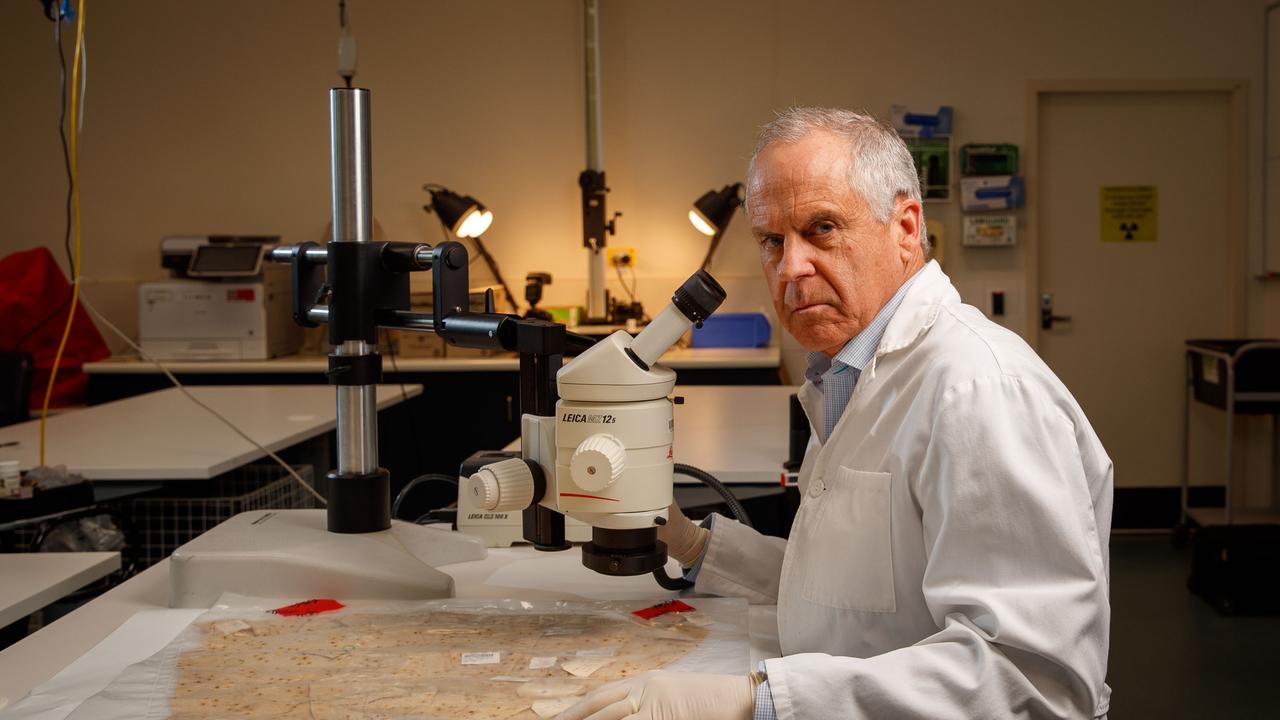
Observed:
{"x":75,"y":221}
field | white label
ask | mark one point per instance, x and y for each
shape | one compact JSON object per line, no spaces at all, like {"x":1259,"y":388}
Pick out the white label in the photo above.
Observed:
{"x":598,"y":652}
{"x":541,"y":663}
{"x":584,"y":667}
{"x":230,"y":627}
{"x":481,"y":658}
{"x":552,"y":707}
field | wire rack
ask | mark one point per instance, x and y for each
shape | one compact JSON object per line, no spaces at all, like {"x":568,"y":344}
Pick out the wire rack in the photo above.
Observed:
{"x":160,"y":524}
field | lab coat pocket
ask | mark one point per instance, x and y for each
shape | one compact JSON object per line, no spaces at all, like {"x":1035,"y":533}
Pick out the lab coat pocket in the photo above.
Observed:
{"x":848,"y":563}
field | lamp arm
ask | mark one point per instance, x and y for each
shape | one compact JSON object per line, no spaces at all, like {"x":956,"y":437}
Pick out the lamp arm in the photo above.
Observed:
{"x":497,"y":274}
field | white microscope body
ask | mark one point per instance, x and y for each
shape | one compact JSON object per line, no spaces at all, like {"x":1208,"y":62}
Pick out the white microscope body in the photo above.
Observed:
{"x":606,"y":456}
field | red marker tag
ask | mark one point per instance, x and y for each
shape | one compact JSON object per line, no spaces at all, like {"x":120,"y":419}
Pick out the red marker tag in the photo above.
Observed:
{"x":671,"y":606}
{"x":308,"y":607}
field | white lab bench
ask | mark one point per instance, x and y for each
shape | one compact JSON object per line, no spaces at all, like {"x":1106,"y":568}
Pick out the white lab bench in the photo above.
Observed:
{"x":162,"y":435}
{"x":34,"y":580}
{"x":678,"y":359}
{"x":518,"y":572}
{"x":738,"y":433}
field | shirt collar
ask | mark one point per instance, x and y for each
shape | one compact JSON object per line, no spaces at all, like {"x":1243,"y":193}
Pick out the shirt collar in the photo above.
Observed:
{"x":858,"y":352}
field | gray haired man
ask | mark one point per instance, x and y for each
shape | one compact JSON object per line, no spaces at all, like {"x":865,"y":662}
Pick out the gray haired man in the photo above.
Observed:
{"x":949,"y":556}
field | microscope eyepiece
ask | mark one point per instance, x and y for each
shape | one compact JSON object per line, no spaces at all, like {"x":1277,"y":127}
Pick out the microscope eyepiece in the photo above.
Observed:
{"x":698,"y":297}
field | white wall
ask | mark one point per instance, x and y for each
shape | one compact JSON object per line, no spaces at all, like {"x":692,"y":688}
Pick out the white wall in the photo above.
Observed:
{"x":211,"y":117}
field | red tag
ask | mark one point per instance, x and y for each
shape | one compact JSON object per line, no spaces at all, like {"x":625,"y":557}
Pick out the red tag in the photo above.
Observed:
{"x":308,"y":607}
{"x":671,"y":606}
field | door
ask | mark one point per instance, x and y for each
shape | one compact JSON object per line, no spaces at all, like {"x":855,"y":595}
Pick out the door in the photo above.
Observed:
{"x":1137,"y":241}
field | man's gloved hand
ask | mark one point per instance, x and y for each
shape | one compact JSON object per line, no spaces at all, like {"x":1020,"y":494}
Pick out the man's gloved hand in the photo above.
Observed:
{"x":669,"y":696}
{"x":684,"y":540}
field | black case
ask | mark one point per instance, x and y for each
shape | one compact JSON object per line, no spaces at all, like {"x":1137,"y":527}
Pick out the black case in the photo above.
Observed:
{"x":1236,"y":568}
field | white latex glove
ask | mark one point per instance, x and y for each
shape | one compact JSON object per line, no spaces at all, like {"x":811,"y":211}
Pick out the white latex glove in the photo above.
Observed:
{"x":684,"y":540}
{"x":669,"y":696}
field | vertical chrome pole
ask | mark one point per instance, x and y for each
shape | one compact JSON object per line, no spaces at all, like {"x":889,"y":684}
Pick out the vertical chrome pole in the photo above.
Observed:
{"x":357,"y":427}
{"x":596,"y":306}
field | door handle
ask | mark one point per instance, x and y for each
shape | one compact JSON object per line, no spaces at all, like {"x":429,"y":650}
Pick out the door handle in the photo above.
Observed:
{"x":1047,"y":318}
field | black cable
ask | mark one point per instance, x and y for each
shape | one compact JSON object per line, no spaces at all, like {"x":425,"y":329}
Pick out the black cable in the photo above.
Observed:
{"x":630,"y":291}
{"x":735,"y":507}
{"x":429,"y":477}
{"x":739,"y":513}
{"x":62,"y":135}
{"x":711,"y":248}
{"x":669,"y":583}
{"x":56,"y":311}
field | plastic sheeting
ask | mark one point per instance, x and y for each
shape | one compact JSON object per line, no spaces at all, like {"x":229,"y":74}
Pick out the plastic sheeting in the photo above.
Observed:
{"x":472,"y":659}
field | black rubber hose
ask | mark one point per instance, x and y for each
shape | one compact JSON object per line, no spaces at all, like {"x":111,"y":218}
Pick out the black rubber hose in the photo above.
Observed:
{"x":735,"y":507}
{"x":669,"y":583}
{"x":429,"y":477}
{"x":739,"y":513}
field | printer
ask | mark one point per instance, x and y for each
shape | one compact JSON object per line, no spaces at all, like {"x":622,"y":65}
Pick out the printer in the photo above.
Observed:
{"x":222,"y":301}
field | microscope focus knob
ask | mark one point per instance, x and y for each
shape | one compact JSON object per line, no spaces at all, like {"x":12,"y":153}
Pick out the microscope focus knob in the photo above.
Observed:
{"x":598,"y":461}
{"x":502,"y":486}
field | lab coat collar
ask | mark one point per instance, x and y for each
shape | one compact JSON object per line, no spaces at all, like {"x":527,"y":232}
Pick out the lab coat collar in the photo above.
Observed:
{"x":917,"y":313}
{"x":919,"y":310}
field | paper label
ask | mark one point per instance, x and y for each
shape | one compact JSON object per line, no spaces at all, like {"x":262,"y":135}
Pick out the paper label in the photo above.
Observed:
{"x":556,"y":632}
{"x":230,"y":627}
{"x":308,"y":607}
{"x":584,"y":667}
{"x":671,"y":606}
{"x":481,"y":658}
{"x":597,"y":652}
{"x":541,"y":663}
{"x":552,"y":707}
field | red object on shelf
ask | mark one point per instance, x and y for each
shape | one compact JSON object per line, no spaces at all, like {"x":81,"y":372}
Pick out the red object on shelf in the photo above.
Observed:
{"x":33,"y":311}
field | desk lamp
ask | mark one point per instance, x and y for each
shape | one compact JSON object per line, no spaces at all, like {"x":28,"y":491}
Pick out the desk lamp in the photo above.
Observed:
{"x":712,"y":212}
{"x":466,"y":217}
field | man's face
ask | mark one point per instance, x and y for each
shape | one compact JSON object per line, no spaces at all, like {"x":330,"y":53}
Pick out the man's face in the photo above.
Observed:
{"x":829,"y":263}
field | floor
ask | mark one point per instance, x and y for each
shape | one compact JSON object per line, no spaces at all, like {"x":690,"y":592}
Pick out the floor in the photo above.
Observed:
{"x":1172,"y":656}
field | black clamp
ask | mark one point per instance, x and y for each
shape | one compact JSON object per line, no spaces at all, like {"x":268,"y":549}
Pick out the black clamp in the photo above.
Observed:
{"x":355,"y":369}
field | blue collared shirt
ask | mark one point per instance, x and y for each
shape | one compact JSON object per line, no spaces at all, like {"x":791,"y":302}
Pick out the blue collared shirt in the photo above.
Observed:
{"x":836,"y":377}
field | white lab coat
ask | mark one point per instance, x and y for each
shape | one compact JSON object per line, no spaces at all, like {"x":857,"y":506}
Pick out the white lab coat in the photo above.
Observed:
{"x":949,"y":557}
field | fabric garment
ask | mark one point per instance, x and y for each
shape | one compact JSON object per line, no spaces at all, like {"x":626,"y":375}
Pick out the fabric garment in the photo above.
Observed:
{"x":34,"y":302}
{"x":949,"y":556}
{"x":837,"y":376}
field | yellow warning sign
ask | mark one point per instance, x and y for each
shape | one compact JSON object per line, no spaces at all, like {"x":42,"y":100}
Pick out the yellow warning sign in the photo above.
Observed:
{"x":1127,"y":213}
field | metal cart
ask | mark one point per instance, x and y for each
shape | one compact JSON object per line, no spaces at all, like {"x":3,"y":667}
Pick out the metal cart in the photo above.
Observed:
{"x":1242,"y":377}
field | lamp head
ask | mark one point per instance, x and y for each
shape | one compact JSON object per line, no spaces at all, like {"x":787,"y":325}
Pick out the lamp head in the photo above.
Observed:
{"x":712,"y":212}
{"x":465,"y":216}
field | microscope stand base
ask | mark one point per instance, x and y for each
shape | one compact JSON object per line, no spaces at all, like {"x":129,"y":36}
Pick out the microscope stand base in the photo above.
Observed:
{"x":289,"y":554}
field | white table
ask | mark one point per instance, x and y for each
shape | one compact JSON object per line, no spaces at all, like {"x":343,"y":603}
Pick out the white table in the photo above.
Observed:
{"x":34,"y":580}
{"x":163,"y":435}
{"x":738,"y":433}
{"x":681,"y":359}
{"x":519,"y":572}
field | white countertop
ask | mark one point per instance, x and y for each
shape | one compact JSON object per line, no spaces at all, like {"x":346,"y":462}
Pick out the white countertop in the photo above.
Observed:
{"x":516,"y":572}
{"x":739,"y":433}
{"x":33,"y":580}
{"x":685,"y":358}
{"x":162,"y":435}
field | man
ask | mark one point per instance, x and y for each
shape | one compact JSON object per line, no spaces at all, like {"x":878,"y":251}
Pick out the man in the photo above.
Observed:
{"x":949,"y":557}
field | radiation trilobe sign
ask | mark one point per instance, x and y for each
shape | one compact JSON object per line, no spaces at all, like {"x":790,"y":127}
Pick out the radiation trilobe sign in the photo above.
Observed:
{"x":1128,"y":213}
